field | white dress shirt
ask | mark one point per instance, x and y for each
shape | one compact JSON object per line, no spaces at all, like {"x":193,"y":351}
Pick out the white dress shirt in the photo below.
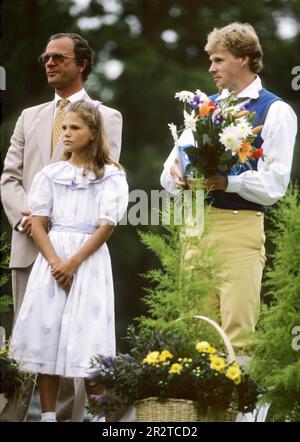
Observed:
{"x":269,"y":182}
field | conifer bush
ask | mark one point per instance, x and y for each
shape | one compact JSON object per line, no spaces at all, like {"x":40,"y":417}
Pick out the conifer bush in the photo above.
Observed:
{"x":276,"y":347}
{"x":183,"y":286}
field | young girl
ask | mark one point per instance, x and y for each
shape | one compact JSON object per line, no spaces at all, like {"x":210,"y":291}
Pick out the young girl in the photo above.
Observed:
{"x":67,"y":315}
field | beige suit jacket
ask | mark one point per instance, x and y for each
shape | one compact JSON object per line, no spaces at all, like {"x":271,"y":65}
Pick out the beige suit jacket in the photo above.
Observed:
{"x":29,"y":152}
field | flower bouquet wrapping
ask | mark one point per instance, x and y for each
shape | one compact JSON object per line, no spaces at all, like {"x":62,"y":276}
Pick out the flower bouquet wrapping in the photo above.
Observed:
{"x":223,"y":135}
{"x":207,"y":377}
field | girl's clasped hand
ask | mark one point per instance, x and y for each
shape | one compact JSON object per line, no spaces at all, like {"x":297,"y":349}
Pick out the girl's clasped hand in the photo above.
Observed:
{"x":63,"y":272}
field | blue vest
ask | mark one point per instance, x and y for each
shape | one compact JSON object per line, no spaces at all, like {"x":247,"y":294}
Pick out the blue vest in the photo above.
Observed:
{"x":233,"y":201}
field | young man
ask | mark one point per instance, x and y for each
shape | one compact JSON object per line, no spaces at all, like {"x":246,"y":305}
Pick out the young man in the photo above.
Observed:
{"x":239,"y":201}
{"x":35,"y":143}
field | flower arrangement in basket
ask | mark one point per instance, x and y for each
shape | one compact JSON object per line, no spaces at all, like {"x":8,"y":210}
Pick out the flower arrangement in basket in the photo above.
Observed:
{"x":223,"y":135}
{"x":203,"y":384}
{"x":11,"y":379}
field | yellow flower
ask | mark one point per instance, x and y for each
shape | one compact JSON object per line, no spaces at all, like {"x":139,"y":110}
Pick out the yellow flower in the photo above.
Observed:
{"x":217,"y":363}
{"x":234,"y":373}
{"x":175,"y":368}
{"x":3,"y":351}
{"x":152,"y":358}
{"x":165,"y":355}
{"x":205,"y":347}
{"x":238,"y":380}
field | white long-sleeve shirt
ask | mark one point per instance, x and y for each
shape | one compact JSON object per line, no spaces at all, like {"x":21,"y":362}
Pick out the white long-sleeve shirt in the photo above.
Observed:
{"x":269,"y":182}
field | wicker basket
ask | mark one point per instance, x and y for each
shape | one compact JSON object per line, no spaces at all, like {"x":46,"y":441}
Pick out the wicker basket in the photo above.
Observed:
{"x":155,"y":409}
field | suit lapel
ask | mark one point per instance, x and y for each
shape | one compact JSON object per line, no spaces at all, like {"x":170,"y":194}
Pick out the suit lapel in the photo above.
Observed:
{"x":43,"y":128}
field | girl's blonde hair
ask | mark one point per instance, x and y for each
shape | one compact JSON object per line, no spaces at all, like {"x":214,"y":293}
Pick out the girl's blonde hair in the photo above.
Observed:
{"x":240,"y":39}
{"x":97,"y":153}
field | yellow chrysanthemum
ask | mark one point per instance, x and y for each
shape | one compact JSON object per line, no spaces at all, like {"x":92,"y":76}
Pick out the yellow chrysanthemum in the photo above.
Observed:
{"x":165,"y":354}
{"x":217,"y":363}
{"x":3,"y":352}
{"x":235,"y":365}
{"x":205,"y":347}
{"x":175,"y":368}
{"x":234,"y":373}
{"x":152,"y":358}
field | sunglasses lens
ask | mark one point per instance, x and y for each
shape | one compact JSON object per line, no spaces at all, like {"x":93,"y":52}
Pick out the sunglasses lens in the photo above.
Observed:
{"x":56,"y":57}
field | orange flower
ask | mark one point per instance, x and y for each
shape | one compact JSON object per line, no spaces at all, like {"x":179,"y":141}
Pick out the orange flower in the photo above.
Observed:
{"x":206,"y":108}
{"x":245,"y":151}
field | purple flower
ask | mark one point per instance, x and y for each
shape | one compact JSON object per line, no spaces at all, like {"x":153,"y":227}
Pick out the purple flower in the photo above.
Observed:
{"x":108,"y":361}
{"x":196,"y":101}
{"x":98,"y":399}
{"x":217,"y":120}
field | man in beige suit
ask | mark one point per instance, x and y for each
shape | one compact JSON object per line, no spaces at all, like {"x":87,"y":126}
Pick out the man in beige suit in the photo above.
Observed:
{"x":67,"y":60}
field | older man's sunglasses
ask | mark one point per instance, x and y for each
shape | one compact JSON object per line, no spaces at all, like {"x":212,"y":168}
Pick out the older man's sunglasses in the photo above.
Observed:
{"x":57,"y":57}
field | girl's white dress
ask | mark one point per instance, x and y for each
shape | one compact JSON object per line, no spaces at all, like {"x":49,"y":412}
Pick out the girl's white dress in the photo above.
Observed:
{"x":58,"y":333}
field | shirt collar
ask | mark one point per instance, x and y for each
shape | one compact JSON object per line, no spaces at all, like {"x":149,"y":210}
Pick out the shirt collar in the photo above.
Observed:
{"x":75,"y":97}
{"x":251,"y":91}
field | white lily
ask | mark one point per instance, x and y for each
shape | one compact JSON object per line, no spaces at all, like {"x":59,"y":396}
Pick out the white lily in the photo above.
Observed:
{"x":190,"y":120}
{"x":185,"y":96}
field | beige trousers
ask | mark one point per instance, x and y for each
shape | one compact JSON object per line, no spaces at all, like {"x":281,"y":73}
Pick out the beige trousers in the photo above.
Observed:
{"x":71,"y":394}
{"x":239,"y":236}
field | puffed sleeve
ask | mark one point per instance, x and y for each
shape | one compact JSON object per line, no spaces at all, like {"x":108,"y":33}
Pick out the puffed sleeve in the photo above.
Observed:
{"x":113,"y":198}
{"x":40,"y":195}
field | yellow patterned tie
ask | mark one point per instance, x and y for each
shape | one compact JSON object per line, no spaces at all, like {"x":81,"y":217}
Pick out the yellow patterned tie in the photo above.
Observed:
{"x":56,"y":131}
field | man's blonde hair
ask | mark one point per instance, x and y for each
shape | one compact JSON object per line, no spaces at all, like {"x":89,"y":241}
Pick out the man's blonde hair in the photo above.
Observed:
{"x":240,"y":39}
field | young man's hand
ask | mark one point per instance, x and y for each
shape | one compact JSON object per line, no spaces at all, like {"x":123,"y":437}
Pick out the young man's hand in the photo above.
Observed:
{"x":216,"y":182}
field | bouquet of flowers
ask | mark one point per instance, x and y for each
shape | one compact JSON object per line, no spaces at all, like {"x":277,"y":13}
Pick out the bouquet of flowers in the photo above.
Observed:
{"x":205,"y":376}
{"x":223,"y":135}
